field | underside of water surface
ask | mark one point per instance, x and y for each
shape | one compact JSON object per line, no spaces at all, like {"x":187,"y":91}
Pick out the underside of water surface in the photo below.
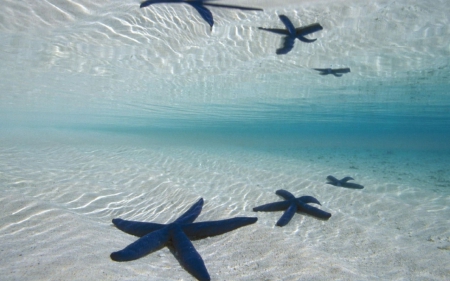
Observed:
{"x":108,"y":110}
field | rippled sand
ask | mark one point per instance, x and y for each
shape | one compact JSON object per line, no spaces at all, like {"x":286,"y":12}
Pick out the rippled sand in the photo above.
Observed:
{"x":59,"y":194}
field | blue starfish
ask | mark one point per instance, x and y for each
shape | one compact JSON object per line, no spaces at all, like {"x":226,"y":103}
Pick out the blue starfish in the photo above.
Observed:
{"x":293,"y":33}
{"x":343,"y":182}
{"x":154,"y":236}
{"x":291,"y":205}
{"x":199,"y":5}
{"x":338,"y":72}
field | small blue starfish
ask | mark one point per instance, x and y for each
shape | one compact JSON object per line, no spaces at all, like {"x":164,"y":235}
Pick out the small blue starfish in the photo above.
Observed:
{"x":199,"y":5}
{"x":338,"y":72}
{"x":154,"y":236}
{"x":293,"y":33}
{"x":343,"y":182}
{"x":292,"y":205}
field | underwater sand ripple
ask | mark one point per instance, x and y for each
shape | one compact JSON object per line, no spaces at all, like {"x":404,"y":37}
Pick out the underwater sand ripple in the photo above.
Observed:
{"x":60,"y":203}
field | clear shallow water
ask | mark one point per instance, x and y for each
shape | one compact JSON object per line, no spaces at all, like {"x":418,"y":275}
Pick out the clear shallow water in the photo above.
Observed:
{"x":63,"y":190}
{"x":110,"y":111}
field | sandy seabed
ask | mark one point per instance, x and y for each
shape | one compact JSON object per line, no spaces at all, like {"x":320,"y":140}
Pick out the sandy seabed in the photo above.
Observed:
{"x":60,"y":189}
{"x":59,"y":194}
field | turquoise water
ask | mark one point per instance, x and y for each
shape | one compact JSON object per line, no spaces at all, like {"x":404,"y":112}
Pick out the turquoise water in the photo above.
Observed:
{"x":108,"y":110}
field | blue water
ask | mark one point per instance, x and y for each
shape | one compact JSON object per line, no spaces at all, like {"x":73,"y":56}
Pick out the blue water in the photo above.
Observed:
{"x":109,"y":110}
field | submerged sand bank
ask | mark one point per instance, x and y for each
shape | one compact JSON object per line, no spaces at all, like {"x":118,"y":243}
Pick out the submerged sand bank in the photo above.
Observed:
{"x":58,"y":201}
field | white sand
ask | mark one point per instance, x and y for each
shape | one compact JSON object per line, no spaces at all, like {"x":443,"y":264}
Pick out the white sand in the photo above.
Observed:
{"x":58,"y":197}
{"x":59,"y":190}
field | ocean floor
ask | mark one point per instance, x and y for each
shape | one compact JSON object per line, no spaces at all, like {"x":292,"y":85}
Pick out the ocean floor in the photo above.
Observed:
{"x":60,"y":189}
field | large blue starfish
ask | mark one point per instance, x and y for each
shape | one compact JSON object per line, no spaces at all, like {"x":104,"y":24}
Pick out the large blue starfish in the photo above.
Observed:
{"x":293,"y":33}
{"x":343,"y":182}
{"x":199,"y":5}
{"x":292,"y":205}
{"x":155,"y":236}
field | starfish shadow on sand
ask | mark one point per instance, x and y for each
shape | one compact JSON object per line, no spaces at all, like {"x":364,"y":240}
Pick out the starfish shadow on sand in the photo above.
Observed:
{"x":343,"y":182}
{"x":291,"y":205}
{"x":154,"y":236}
{"x":338,"y":72}
{"x":199,"y":5}
{"x":293,"y":33}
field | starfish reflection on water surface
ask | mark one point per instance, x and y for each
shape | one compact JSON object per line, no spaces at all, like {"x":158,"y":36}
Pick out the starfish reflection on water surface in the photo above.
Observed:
{"x":343,"y":182}
{"x":293,"y":33}
{"x":199,"y":5}
{"x":292,"y":205}
{"x":154,"y":236}
{"x":338,"y":72}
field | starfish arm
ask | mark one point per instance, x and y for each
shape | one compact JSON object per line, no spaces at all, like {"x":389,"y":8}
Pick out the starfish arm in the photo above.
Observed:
{"x":275,"y":30}
{"x":289,"y":26}
{"x":277,"y":206}
{"x":346,"y":179}
{"x":143,"y":246}
{"x":189,"y":258}
{"x":313,"y":211}
{"x":305,"y":40}
{"x":285,"y":194}
{"x":288,"y":214}
{"x":341,"y":70}
{"x":305,"y":30}
{"x":323,"y":71}
{"x":332,"y":180}
{"x":233,"y":7}
{"x":204,"y":12}
{"x":309,"y":199}
{"x":137,"y":228}
{"x":149,"y":2}
{"x":191,"y":214}
{"x":288,"y":44}
{"x":211,"y":228}
{"x":352,"y":185}
{"x":146,"y":3}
